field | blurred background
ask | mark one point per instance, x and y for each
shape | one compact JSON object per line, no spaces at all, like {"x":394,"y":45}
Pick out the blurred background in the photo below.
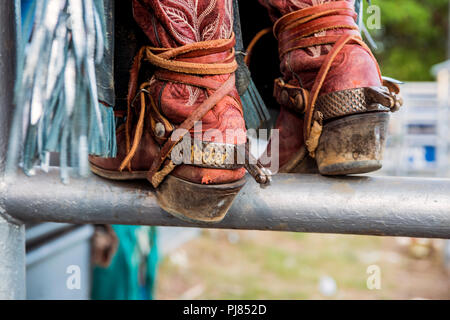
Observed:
{"x":412,"y":45}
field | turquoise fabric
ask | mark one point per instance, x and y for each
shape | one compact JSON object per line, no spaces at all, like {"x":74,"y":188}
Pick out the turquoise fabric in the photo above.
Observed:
{"x":133,"y":270}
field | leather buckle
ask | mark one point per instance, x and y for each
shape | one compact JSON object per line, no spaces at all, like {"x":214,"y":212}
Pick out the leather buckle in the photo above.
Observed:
{"x":290,"y":96}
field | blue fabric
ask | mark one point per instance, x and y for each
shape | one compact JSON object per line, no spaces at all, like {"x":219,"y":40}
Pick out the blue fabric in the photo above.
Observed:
{"x":122,"y":280}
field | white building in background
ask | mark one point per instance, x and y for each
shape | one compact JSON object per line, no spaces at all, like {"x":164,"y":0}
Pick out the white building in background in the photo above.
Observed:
{"x":418,"y":144}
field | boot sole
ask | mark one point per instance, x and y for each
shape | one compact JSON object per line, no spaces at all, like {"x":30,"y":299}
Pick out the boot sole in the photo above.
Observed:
{"x":188,"y":201}
{"x":195,"y":202}
{"x":353,"y":144}
{"x":116,"y":175}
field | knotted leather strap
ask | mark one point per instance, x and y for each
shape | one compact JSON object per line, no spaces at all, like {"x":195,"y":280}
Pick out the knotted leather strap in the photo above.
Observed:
{"x":188,"y":124}
{"x":164,"y":58}
{"x":172,"y":69}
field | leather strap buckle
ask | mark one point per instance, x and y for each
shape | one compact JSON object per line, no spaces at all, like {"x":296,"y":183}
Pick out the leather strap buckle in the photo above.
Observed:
{"x":290,"y":96}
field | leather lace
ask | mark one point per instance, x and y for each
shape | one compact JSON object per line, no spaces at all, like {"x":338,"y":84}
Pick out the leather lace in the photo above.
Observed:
{"x":170,"y":68}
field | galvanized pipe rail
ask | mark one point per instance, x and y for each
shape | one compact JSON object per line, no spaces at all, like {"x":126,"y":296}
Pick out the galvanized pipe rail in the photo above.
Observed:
{"x":388,"y":206}
{"x":12,"y":231}
{"x":303,"y":203}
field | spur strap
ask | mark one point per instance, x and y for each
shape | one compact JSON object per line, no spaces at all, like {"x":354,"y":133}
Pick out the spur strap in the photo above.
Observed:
{"x":172,"y":69}
{"x":188,"y":124}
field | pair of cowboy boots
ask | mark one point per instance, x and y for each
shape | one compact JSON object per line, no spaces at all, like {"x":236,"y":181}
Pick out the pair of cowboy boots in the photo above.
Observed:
{"x":185,"y":130}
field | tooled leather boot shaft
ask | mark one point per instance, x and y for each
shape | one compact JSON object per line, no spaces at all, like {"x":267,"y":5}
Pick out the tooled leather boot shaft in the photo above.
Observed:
{"x":352,"y":68}
{"x":177,"y":23}
{"x":173,"y":23}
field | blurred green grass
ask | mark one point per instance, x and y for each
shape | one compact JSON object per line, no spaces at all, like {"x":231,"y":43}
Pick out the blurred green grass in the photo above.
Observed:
{"x":412,"y":38}
{"x":276,"y":265}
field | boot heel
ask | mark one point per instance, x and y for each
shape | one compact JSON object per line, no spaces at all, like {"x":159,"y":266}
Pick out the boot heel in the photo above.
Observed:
{"x":194,"y":202}
{"x":353,"y":144}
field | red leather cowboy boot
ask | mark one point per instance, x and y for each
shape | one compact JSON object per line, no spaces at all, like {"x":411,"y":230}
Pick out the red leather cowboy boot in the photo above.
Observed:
{"x":331,"y":89}
{"x":193,"y":82}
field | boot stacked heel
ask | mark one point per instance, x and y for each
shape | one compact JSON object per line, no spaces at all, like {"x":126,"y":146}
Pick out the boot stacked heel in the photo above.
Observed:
{"x":353,"y":144}
{"x":195,"y":202}
{"x":354,"y":131}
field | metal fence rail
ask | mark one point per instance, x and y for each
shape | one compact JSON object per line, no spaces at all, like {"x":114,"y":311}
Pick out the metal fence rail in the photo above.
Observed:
{"x":12,"y":232}
{"x":303,"y":203}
